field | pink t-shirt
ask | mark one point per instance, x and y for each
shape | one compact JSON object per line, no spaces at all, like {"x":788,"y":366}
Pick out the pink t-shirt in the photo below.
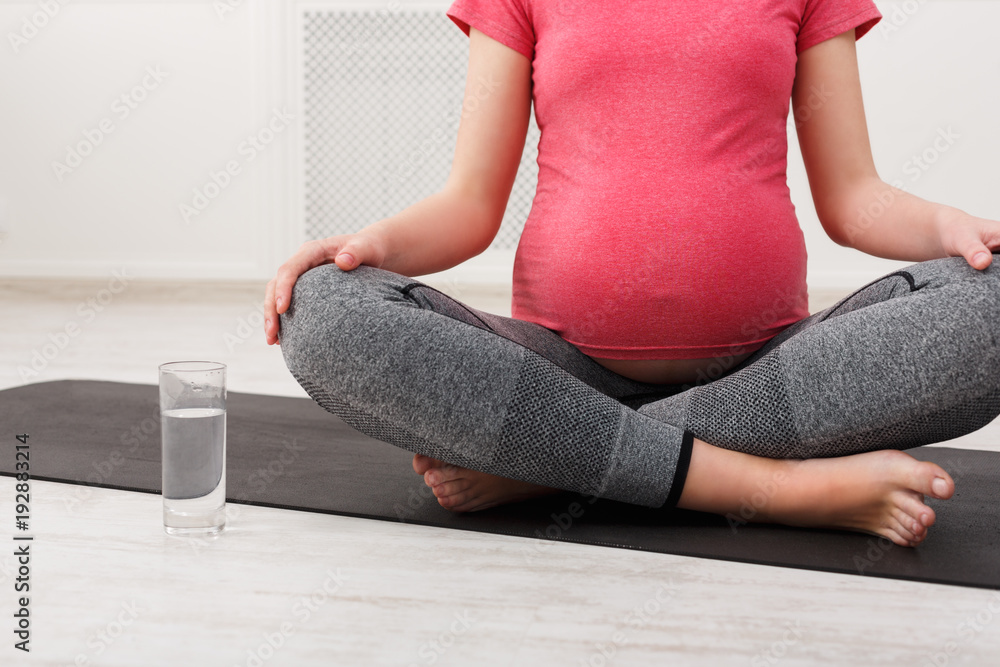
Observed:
{"x":662,"y":226}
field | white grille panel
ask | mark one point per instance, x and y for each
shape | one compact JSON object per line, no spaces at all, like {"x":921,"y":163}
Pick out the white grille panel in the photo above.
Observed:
{"x":382,"y":103}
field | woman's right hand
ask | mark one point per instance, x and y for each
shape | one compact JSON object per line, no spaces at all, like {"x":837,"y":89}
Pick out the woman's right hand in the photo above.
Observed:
{"x":347,"y":251}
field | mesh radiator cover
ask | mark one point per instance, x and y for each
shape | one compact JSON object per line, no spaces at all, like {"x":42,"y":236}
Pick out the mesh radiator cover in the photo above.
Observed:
{"x":383,"y":93}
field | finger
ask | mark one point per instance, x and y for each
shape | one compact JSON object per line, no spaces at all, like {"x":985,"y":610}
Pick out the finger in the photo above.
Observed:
{"x":347,"y":258}
{"x":311,"y":254}
{"x":981,"y":258}
{"x":972,"y":248}
{"x":270,"y":315}
{"x":352,"y":255}
{"x":357,"y":250}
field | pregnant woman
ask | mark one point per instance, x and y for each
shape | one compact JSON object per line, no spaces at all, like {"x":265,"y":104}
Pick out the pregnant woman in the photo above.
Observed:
{"x":661,"y":350}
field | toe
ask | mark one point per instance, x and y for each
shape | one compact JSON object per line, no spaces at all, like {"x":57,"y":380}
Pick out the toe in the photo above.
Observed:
{"x":451,"y":488}
{"x":931,"y":479}
{"x":448,"y":501}
{"x":422,"y":464}
{"x":894,"y":536}
{"x":913,"y":504}
{"x":943,"y":486}
{"x":445,"y":473}
{"x":918,"y":529}
{"x":901,"y":530}
{"x":474,"y":505}
{"x":462,"y":501}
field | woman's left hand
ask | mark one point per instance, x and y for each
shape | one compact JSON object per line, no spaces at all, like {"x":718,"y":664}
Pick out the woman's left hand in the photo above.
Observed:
{"x":975,"y":239}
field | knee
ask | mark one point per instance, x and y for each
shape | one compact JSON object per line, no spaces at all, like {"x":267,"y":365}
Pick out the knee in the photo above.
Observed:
{"x":974,"y":292}
{"x":983,"y":290}
{"x":975,"y":303}
{"x":954,"y":270}
{"x":314,"y":292}
{"x":327,"y":303}
{"x":991,"y":274}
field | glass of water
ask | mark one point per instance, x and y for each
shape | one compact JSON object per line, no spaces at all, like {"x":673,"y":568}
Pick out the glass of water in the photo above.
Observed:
{"x":193,"y":425}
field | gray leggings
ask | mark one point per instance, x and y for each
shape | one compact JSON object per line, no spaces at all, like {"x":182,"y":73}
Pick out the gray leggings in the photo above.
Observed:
{"x":909,"y":359}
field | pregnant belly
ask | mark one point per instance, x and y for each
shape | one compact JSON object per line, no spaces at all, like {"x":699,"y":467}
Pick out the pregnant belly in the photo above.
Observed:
{"x":663,"y":287}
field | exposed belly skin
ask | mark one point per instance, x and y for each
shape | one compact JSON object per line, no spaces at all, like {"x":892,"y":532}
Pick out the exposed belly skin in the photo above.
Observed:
{"x":669,"y":371}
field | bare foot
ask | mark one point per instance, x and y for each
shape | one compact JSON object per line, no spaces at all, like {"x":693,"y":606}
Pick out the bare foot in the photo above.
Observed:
{"x":463,"y":490}
{"x":879,"y":492}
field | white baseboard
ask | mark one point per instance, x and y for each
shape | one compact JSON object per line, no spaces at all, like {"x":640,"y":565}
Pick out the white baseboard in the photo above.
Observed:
{"x":491,"y":269}
{"x":145,"y":271}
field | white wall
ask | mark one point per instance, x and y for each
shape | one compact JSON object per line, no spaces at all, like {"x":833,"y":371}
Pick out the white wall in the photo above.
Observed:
{"x":930,"y":64}
{"x":119,"y":207}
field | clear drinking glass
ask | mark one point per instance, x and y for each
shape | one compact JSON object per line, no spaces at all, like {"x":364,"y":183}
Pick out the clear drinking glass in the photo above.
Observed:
{"x":193,"y":425}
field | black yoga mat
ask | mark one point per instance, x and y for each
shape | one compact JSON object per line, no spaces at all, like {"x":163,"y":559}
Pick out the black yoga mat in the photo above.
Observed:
{"x":291,"y":453}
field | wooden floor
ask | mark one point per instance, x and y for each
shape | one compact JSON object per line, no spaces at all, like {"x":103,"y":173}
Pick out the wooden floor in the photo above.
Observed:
{"x":297,"y":588}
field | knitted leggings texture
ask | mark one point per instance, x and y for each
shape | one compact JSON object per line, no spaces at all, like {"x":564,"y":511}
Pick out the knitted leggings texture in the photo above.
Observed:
{"x":907,"y":360}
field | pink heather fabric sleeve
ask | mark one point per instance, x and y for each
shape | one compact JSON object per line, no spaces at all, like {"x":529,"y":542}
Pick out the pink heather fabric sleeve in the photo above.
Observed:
{"x":506,"y":21}
{"x":823,"y":19}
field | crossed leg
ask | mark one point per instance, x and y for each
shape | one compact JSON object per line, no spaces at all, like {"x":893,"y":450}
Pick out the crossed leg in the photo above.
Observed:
{"x":902,"y":362}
